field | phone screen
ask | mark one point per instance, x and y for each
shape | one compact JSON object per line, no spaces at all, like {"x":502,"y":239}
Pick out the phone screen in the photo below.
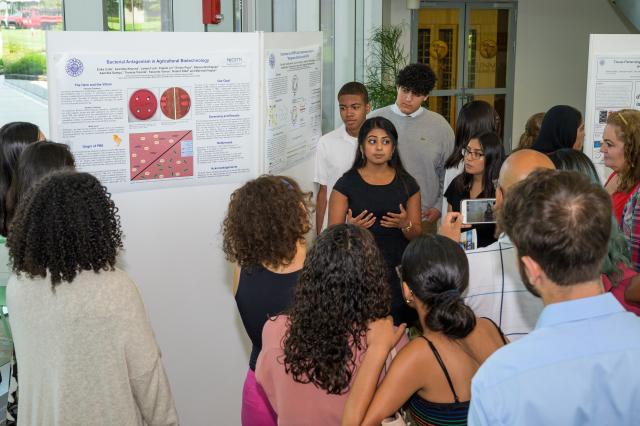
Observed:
{"x":478,"y":211}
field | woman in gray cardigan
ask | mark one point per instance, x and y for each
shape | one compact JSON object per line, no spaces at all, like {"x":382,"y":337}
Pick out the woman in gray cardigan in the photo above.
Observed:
{"x":86,"y":350}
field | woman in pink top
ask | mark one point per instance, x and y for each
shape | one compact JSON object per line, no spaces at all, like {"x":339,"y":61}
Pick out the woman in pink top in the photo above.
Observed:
{"x":310,"y":356}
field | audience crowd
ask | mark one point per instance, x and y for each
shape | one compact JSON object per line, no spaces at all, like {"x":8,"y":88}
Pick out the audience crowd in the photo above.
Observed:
{"x":389,"y":316}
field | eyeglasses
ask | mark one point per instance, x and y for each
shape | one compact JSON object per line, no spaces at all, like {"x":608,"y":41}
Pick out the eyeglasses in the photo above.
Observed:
{"x":475,"y":155}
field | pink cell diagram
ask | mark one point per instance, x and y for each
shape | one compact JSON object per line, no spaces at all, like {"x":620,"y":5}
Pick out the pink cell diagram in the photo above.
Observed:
{"x":161,"y":155}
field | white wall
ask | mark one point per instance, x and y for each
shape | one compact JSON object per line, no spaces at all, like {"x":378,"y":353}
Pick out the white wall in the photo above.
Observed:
{"x":552,"y":52}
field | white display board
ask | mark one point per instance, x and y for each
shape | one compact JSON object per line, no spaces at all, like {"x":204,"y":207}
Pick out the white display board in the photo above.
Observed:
{"x":155,"y":118}
{"x":172,"y":235}
{"x":613,"y":83}
{"x":294,"y":114}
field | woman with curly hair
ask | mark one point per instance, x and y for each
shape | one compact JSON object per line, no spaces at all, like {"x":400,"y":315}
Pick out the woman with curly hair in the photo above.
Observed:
{"x":82,"y":337}
{"x":621,"y":152}
{"x":269,"y":251}
{"x":531,"y":131}
{"x":432,"y":374}
{"x":36,"y":161}
{"x":310,"y":356}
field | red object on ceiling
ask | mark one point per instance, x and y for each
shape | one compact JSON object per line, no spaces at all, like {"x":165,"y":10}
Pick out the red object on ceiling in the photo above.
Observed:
{"x":211,"y":12}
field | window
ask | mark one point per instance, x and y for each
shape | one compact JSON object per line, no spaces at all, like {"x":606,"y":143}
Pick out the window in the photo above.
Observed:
{"x":138,"y":15}
{"x":22,"y":32}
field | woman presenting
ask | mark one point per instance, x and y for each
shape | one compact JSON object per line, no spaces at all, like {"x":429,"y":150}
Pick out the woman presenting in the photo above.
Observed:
{"x":377,"y":193}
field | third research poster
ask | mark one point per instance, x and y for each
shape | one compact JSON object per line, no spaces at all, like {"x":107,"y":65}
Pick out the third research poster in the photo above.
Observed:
{"x":616,"y":86}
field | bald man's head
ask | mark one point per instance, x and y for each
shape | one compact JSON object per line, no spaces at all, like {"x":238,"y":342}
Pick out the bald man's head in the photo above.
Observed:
{"x":517,"y":167}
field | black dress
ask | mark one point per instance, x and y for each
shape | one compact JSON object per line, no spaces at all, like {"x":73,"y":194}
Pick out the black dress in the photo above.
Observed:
{"x":262,"y":294}
{"x":380,"y":200}
{"x":485,"y":231}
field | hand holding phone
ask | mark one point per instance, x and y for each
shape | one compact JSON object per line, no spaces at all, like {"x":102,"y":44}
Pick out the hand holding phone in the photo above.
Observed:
{"x":479,"y":210}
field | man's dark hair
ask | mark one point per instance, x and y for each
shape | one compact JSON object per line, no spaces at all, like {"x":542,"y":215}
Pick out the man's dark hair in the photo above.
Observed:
{"x":354,"y":88}
{"x":562,"y":221}
{"x":418,"y":78}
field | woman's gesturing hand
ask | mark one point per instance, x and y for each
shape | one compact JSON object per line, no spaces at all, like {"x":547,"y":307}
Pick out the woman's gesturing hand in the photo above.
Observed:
{"x":364,"y":219}
{"x":396,"y":220}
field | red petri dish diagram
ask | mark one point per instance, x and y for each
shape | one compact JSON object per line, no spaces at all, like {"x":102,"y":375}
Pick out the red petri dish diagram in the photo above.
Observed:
{"x":143,"y":104}
{"x":175,"y":103}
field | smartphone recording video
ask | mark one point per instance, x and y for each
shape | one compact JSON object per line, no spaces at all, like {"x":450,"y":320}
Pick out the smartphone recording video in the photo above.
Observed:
{"x":479,"y":210}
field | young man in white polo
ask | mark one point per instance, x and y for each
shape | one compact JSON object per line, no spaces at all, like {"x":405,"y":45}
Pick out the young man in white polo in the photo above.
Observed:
{"x":337,"y":149}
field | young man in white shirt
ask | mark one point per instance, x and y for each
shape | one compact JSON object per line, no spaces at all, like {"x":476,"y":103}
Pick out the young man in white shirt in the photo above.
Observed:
{"x":337,"y":149}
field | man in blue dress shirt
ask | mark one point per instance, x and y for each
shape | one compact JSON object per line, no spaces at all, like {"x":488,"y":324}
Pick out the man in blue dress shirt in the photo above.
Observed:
{"x":581,"y":363}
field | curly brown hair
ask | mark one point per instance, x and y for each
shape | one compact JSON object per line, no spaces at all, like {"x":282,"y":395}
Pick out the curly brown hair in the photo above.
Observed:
{"x":342,"y":287}
{"x":266,"y":218}
{"x":66,"y":224}
{"x":627,"y":123}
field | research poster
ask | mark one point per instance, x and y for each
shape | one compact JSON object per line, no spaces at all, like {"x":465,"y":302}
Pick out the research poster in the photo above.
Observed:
{"x":155,"y":120}
{"x":293,"y":102}
{"x":615,"y":85}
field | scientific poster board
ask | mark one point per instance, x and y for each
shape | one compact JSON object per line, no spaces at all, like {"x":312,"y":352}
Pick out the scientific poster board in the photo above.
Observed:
{"x":144,"y":117}
{"x":613,"y":83}
{"x":294,"y":113}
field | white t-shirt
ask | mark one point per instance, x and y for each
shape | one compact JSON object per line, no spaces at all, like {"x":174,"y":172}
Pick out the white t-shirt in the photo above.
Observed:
{"x":334,"y":156}
{"x":496,"y":290}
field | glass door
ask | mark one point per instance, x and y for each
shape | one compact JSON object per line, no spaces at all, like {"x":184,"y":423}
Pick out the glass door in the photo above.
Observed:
{"x":470,"y":46}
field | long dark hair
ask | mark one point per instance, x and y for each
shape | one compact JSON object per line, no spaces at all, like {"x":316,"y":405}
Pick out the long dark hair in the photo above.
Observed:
{"x":558,"y":129}
{"x":437,"y":271}
{"x":493,"y":158}
{"x":14,"y":137}
{"x":475,"y":117}
{"x":36,"y":161}
{"x":342,"y":287}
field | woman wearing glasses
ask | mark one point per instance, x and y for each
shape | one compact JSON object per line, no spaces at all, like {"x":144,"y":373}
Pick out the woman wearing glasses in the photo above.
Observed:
{"x":483,"y":156}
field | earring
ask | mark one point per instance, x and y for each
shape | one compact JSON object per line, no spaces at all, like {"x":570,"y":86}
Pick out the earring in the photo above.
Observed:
{"x":408,"y":301}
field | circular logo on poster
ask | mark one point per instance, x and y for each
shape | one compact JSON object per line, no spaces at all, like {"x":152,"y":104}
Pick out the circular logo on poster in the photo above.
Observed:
{"x":74,"y":67}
